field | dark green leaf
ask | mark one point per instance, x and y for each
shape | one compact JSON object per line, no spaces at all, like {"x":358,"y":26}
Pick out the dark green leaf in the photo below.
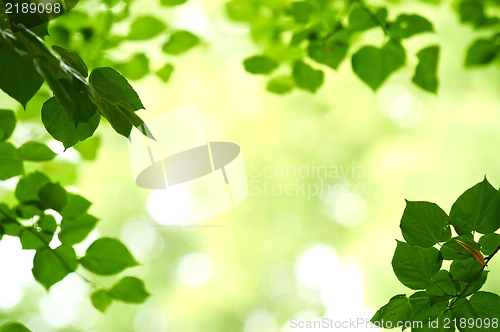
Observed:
{"x":146,"y":27}
{"x":424,"y":224}
{"x":107,"y":256}
{"x":306,"y":77}
{"x":415,"y":266}
{"x":362,"y":19}
{"x":14,"y":327}
{"x":301,"y":11}
{"x":280,"y":85}
{"x":481,"y":52}
{"x":424,"y":311}
{"x":426,"y":72}
{"x":465,"y":270}
{"x":72,"y":60}
{"x":28,"y":211}
{"x":74,"y":231}
{"x":76,"y":206}
{"x":259,"y":64}
{"x":165,"y":72}
{"x":51,"y":266}
{"x":88,"y":148}
{"x":472,"y":11}
{"x":53,"y":196}
{"x":397,"y":310}
{"x":12,"y":228}
{"x":241,"y":10}
{"x":180,"y":42}
{"x":101,"y":300}
{"x":477,"y":209}
{"x":482,"y":305}
{"x":441,"y":285}
{"x":34,"y":239}
{"x":452,"y":250}
{"x":7,"y":124}
{"x":130,"y":290}
{"x":409,"y":25}
{"x":135,"y":68}
{"x":476,"y":284}
{"x":10,"y":163}
{"x":62,"y":128}
{"x":332,"y":51}
{"x":35,"y":151}
{"x":47,"y":224}
{"x":172,"y":2}
{"x":18,"y":76}
{"x":489,"y":243}
{"x":373,"y":65}
{"x":28,"y":186}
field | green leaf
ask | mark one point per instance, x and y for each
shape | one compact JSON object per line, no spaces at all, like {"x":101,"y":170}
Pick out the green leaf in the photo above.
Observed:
{"x":12,"y":228}
{"x":172,"y":3}
{"x":306,"y":77}
{"x":441,"y":285}
{"x":28,"y":186}
{"x":116,"y":99}
{"x":259,"y":64}
{"x":476,"y":284}
{"x":451,"y":250}
{"x":18,"y":76}
{"x":330,"y":52}
{"x":136,"y":68}
{"x":88,"y":148}
{"x":14,"y":327}
{"x":489,"y":243}
{"x":33,"y":239}
{"x":51,"y":266}
{"x":301,"y":11}
{"x":10,"y":163}
{"x":101,"y":300}
{"x":472,"y":11}
{"x":130,"y":290}
{"x":481,"y":52}
{"x":74,"y":231}
{"x":165,"y":72}
{"x":35,"y":151}
{"x":482,"y":305}
{"x":241,"y":10}
{"x":465,"y":270}
{"x":409,"y":25}
{"x":53,"y":196}
{"x":424,"y":311}
{"x":477,"y":209}
{"x":47,"y":224}
{"x":373,"y":66}
{"x":7,"y":124}
{"x":424,"y":224}
{"x":72,"y":60}
{"x":146,"y":27}
{"x":62,"y":128}
{"x":76,"y":206}
{"x":107,"y":256}
{"x":280,"y":85}
{"x":397,"y":310}
{"x":415,"y":266}
{"x":180,"y":42}
{"x":426,"y":71}
{"x":361,"y":19}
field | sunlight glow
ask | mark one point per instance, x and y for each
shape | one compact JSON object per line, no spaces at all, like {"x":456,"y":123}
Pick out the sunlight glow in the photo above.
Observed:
{"x":170,"y":206}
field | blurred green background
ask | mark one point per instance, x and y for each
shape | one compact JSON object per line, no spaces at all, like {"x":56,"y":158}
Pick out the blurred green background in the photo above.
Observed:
{"x":277,"y":255}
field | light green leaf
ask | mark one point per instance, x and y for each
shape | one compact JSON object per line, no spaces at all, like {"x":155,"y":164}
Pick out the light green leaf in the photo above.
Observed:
{"x":301,"y":11}
{"x":415,"y":266}
{"x":481,"y":52}
{"x":76,"y":206}
{"x":332,"y":51}
{"x":72,"y":60}
{"x":48,"y":224}
{"x":107,"y":256}
{"x":53,"y":196}
{"x":10,"y":163}
{"x":361,"y":19}
{"x":259,"y":64}
{"x":101,"y":300}
{"x":397,"y":310}
{"x":426,"y":71}
{"x":14,"y":327}
{"x":409,"y":25}
{"x":424,"y":224}
{"x":373,"y":66}
{"x":28,"y":186}
{"x":165,"y":72}
{"x":74,"y":231}
{"x":51,"y":266}
{"x":7,"y":124}
{"x":35,"y":151}
{"x":180,"y":42}
{"x":172,"y":3}
{"x":34,"y":239}
{"x":306,"y":77}
{"x":477,"y":209}
{"x":489,"y":243}
{"x":88,"y":148}
{"x":146,"y":27}
{"x":130,"y":290}
{"x":135,"y":68}
{"x":280,"y":85}
{"x":241,"y":10}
